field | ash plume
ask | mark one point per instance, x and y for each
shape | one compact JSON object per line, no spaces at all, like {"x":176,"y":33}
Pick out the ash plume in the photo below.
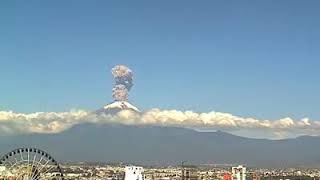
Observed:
{"x":123,"y":78}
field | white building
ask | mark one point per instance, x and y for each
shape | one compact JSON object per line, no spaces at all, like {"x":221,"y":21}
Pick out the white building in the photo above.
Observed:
{"x":239,"y":173}
{"x":2,"y":168}
{"x":134,"y":173}
{"x":4,"y":172}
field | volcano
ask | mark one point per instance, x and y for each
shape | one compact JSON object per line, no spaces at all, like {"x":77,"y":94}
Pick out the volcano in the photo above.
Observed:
{"x":116,"y":107}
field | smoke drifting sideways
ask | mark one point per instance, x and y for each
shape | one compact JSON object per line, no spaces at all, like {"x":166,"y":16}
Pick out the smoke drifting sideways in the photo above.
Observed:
{"x":123,"y":78}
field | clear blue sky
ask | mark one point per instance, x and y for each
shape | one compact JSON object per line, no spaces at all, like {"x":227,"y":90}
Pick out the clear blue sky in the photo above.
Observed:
{"x":250,"y":58}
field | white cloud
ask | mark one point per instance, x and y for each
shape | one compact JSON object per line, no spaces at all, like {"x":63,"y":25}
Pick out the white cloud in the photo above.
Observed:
{"x":55,"y":122}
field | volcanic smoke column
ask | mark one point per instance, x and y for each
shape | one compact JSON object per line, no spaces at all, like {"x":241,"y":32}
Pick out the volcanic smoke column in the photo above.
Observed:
{"x":123,"y":82}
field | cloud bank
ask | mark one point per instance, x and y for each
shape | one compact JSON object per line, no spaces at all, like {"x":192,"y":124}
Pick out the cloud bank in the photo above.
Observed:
{"x":54,"y":122}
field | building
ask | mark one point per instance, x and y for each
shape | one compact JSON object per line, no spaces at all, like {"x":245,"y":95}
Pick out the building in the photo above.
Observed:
{"x":227,"y":176}
{"x":189,"y":172}
{"x":239,"y":173}
{"x":4,"y":172}
{"x":134,"y":173}
{"x":255,"y":177}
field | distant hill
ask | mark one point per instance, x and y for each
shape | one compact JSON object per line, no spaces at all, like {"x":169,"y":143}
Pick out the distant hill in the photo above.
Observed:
{"x":150,"y":145}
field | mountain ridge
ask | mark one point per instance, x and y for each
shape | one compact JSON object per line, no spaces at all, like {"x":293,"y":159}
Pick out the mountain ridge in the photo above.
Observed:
{"x":155,"y":145}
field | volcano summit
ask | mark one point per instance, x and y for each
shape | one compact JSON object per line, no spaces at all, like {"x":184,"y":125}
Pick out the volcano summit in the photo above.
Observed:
{"x":116,"y":107}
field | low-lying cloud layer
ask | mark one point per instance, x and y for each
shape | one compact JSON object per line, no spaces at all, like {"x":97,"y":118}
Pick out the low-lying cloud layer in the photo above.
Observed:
{"x":55,"y":122}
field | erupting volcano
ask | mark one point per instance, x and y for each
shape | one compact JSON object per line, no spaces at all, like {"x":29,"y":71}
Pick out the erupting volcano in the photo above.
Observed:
{"x":123,"y":77}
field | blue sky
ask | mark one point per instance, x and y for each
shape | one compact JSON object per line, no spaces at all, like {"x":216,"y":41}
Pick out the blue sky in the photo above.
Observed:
{"x":250,"y":58}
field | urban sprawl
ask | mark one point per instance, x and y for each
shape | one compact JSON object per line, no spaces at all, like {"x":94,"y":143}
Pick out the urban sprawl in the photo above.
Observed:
{"x":85,"y":171}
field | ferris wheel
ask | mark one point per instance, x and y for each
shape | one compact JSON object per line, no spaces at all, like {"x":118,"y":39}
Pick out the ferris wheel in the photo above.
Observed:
{"x":31,"y":164}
